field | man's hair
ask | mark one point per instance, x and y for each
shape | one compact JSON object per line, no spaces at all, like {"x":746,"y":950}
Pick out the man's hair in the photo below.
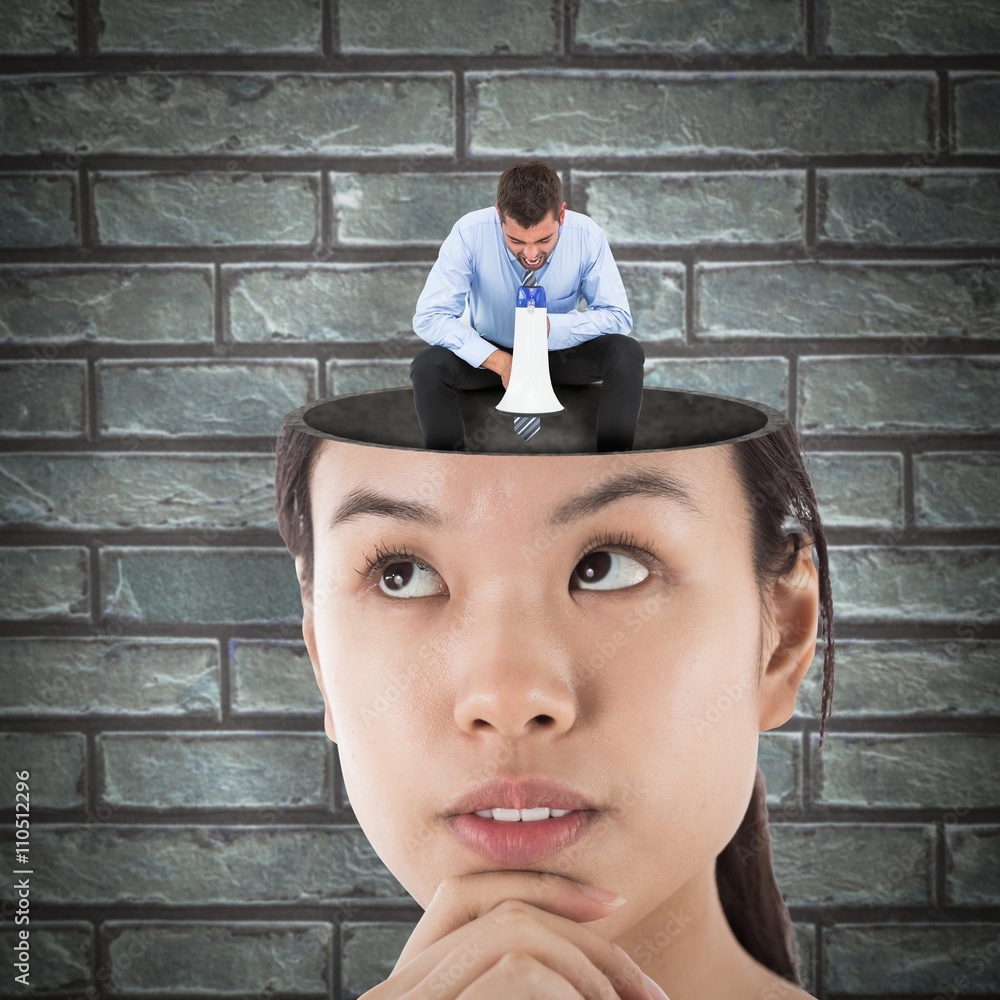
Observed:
{"x":529,"y":192}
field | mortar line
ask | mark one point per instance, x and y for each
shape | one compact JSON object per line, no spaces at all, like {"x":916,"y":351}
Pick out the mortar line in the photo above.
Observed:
{"x":330,"y":30}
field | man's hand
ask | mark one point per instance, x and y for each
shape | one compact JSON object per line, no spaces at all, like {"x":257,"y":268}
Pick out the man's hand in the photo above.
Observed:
{"x":500,"y":362}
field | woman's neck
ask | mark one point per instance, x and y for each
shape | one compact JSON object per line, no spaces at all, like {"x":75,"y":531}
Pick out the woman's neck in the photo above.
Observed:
{"x":687,"y":946}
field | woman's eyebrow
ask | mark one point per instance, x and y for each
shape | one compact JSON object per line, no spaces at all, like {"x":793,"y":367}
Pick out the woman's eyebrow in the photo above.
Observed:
{"x":362,"y":502}
{"x":641,"y":482}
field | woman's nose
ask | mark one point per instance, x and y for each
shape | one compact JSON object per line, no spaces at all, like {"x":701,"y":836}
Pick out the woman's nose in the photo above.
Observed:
{"x":513,"y":674}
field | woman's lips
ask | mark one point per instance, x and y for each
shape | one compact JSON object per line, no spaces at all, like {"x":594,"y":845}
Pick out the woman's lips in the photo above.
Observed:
{"x":522,"y":842}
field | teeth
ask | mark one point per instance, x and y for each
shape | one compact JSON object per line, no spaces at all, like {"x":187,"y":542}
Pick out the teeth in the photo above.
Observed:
{"x":522,"y":815}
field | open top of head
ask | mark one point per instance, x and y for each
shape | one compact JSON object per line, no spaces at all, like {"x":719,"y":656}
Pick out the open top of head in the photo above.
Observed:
{"x":669,"y":419}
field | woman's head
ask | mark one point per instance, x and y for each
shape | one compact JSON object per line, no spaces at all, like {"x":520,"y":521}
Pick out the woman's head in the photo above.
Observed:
{"x":626,"y":624}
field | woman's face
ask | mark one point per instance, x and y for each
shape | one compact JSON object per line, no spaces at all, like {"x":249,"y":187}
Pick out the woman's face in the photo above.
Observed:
{"x":589,"y":619}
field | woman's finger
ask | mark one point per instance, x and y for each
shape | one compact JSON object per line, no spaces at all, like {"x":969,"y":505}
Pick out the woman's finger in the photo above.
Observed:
{"x":514,"y":930}
{"x":464,"y":925}
{"x":462,"y":898}
{"x":523,"y":976}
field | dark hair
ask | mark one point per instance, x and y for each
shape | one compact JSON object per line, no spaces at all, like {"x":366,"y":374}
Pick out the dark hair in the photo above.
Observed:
{"x":294,"y":457}
{"x":529,"y":192}
{"x":776,"y":486}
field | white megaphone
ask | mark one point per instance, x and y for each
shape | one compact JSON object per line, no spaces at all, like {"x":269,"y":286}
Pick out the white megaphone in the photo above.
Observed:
{"x":529,"y":388}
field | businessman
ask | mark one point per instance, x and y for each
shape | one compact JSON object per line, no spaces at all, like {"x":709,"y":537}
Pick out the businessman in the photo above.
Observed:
{"x":527,"y":237}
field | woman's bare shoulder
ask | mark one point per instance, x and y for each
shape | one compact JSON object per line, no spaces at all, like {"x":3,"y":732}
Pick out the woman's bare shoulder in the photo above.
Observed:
{"x":774,"y":987}
{"x":758,"y":982}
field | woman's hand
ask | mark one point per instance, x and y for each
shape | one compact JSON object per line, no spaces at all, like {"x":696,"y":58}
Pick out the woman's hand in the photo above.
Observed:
{"x":497,"y":935}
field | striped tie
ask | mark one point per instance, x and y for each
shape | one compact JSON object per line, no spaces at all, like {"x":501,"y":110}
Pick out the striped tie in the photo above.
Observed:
{"x":527,"y":427}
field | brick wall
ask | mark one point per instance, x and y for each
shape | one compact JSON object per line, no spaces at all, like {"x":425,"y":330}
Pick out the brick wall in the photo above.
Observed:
{"x":211,"y":215}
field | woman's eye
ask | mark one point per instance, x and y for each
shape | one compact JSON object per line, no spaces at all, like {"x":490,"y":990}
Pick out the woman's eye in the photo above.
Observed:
{"x":608,"y":571}
{"x":409,"y":579}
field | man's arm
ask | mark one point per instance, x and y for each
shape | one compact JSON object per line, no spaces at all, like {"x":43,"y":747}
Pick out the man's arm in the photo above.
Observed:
{"x":607,"y":305}
{"x":442,"y":302}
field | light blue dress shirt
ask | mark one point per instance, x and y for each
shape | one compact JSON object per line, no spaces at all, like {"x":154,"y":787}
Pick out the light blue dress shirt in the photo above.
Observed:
{"x":475,"y":265}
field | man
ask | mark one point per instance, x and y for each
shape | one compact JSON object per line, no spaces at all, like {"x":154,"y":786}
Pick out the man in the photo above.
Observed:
{"x":486,"y":256}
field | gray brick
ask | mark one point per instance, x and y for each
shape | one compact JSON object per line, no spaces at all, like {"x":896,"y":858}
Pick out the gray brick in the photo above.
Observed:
{"x":37,"y":210}
{"x":369,"y":953}
{"x":360,"y":376}
{"x":926,"y":583}
{"x":61,"y":957}
{"x":228,"y":26}
{"x":221,"y":770}
{"x":171,"y":399}
{"x":406,"y":208}
{"x":636,"y":112}
{"x":247,"y":958}
{"x":762,"y":379}
{"x":137,"y":491}
{"x":832,"y":299}
{"x":200,"y":585}
{"x":655,"y":298}
{"x":910,"y":27}
{"x":778,"y":756}
{"x":953,"y":208}
{"x":858,"y":491}
{"x":907,"y":677}
{"x":953,"y":771}
{"x":50,"y":584}
{"x":972,"y":865}
{"x":177,"y":209}
{"x":27,"y":26}
{"x":43,"y":397}
{"x":678,"y":209}
{"x":898,"y":394}
{"x":850,"y":864}
{"x":365,"y":303}
{"x":946,"y":960}
{"x":273,"y":678}
{"x":975,"y":123}
{"x":55,"y":762}
{"x":173,"y":864}
{"x":144,"y":677}
{"x":517,"y":27}
{"x":957,"y":490}
{"x":275,"y":114}
{"x":691,"y":29}
{"x":114,"y":305}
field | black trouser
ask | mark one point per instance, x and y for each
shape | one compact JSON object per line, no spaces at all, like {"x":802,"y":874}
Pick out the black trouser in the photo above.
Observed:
{"x":611,"y":358}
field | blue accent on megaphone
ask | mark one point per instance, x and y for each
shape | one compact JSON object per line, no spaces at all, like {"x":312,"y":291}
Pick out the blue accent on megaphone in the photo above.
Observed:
{"x":530,"y":293}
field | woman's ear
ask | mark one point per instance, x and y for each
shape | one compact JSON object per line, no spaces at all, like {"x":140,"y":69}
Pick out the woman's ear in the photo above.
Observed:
{"x":794,"y":603}
{"x":309,"y":635}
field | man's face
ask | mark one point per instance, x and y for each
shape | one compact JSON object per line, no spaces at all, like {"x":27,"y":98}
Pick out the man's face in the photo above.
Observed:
{"x":533,"y":616}
{"x":532,"y":246}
